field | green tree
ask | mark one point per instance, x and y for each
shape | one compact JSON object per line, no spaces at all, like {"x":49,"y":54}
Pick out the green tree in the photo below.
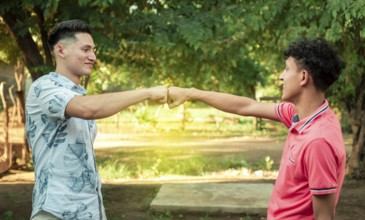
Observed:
{"x":229,"y":46}
{"x":190,"y":44}
{"x":278,"y":22}
{"x":236,"y":38}
{"x":343,"y":24}
{"x":29,"y":21}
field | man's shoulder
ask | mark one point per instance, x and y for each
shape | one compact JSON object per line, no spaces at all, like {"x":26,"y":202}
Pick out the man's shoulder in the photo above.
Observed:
{"x":45,"y":79}
{"x":326,"y":129}
{"x":45,"y":86}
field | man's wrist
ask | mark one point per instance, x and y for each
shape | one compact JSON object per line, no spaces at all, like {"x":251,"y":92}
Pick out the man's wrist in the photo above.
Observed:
{"x":190,"y":93}
{"x":147,"y":93}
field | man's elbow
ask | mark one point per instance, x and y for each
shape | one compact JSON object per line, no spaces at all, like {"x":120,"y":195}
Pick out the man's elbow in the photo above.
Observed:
{"x":83,"y":113}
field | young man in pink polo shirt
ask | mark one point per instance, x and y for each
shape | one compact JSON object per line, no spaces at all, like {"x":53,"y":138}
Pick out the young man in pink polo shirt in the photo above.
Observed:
{"x":312,"y":166}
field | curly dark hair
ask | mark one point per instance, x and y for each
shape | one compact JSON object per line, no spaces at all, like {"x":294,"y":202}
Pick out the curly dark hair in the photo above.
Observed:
{"x":67,"y":29}
{"x":319,"y":59}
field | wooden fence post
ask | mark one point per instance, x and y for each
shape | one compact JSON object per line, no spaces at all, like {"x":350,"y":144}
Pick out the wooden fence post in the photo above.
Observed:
{"x":6,"y":159}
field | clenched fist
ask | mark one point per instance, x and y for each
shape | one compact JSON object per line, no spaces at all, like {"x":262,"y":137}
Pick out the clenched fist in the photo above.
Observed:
{"x":158,"y":94}
{"x":177,"y":96}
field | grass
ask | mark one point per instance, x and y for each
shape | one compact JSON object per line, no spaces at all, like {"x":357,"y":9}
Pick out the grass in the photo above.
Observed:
{"x":202,"y":121}
{"x":157,"y":163}
{"x":163,"y":128}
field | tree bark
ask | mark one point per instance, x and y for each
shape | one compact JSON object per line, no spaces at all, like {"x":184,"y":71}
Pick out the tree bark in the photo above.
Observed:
{"x":44,"y":35}
{"x":25,"y":42}
{"x":14,"y":109}
{"x":20,"y":103}
{"x":5,"y":159}
{"x":356,"y":161}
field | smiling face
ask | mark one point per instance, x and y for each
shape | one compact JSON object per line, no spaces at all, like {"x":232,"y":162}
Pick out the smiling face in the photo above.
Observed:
{"x":291,"y":78}
{"x":76,"y":56}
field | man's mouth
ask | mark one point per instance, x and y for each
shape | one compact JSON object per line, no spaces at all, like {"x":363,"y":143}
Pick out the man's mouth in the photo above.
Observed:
{"x":281,"y":85}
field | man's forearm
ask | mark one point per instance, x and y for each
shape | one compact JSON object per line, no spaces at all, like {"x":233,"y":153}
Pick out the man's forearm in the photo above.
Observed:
{"x":222,"y":101}
{"x":104,"y":105}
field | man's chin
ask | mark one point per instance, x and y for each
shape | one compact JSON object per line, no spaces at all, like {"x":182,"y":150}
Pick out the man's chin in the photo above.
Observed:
{"x":285,"y":99}
{"x":85,"y":74}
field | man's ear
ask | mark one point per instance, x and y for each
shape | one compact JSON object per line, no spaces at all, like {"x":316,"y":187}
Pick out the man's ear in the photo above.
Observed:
{"x":58,"y":50}
{"x":305,"y":77}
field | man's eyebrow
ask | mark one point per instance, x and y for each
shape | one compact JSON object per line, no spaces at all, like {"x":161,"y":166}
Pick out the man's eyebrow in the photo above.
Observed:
{"x":88,"y":46}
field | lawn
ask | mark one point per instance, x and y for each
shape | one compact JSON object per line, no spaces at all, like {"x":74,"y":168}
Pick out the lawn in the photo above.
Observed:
{"x":168,"y":143}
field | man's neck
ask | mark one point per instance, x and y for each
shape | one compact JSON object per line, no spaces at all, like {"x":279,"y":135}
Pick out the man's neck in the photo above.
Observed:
{"x":74,"y":78}
{"x":309,"y":104}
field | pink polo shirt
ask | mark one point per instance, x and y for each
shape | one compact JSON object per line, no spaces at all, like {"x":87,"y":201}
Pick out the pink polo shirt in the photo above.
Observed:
{"x":312,"y":163}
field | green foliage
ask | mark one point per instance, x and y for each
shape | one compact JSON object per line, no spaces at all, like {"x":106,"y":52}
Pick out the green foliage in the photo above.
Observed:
{"x":8,"y":50}
{"x":112,"y":169}
{"x":7,"y":215}
{"x":142,"y":117}
{"x":347,"y":33}
{"x":149,"y":164}
{"x":188,"y":45}
{"x":228,"y":46}
{"x":265,"y":164}
{"x":232,"y":46}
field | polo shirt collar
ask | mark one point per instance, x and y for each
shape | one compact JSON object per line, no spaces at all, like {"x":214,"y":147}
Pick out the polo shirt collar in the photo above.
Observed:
{"x":67,"y":83}
{"x":300,"y":125}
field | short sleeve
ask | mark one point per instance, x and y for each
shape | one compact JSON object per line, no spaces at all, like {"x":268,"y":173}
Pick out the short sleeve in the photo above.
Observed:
{"x":321,"y":167}
{"x":51,"y":98}
{"x":285,"y":112}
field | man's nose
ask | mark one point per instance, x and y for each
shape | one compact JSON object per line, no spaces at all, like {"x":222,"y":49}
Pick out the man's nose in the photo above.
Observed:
{"x":281,"y":76}
{"x":92,"y":56}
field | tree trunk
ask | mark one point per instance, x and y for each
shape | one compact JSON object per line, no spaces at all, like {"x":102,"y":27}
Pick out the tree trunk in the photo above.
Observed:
{"x":6,"y":158}
{"x":19,"y":76}
{"x":25,"y":42}
{"x":14,"y":109}
{"x":356,"y":161}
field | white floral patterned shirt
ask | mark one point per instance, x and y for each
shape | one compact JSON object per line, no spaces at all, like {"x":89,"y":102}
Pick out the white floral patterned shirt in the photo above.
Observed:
{"x":67,"y":182}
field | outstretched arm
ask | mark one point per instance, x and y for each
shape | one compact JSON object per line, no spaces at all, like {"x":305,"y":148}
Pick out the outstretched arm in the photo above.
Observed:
{"x":225,"y":102}
{"x":105,"y":105}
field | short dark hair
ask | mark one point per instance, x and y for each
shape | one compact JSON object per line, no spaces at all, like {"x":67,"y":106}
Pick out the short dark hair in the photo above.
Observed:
{"x":319,"y":59}
{"x":67,"y":29}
